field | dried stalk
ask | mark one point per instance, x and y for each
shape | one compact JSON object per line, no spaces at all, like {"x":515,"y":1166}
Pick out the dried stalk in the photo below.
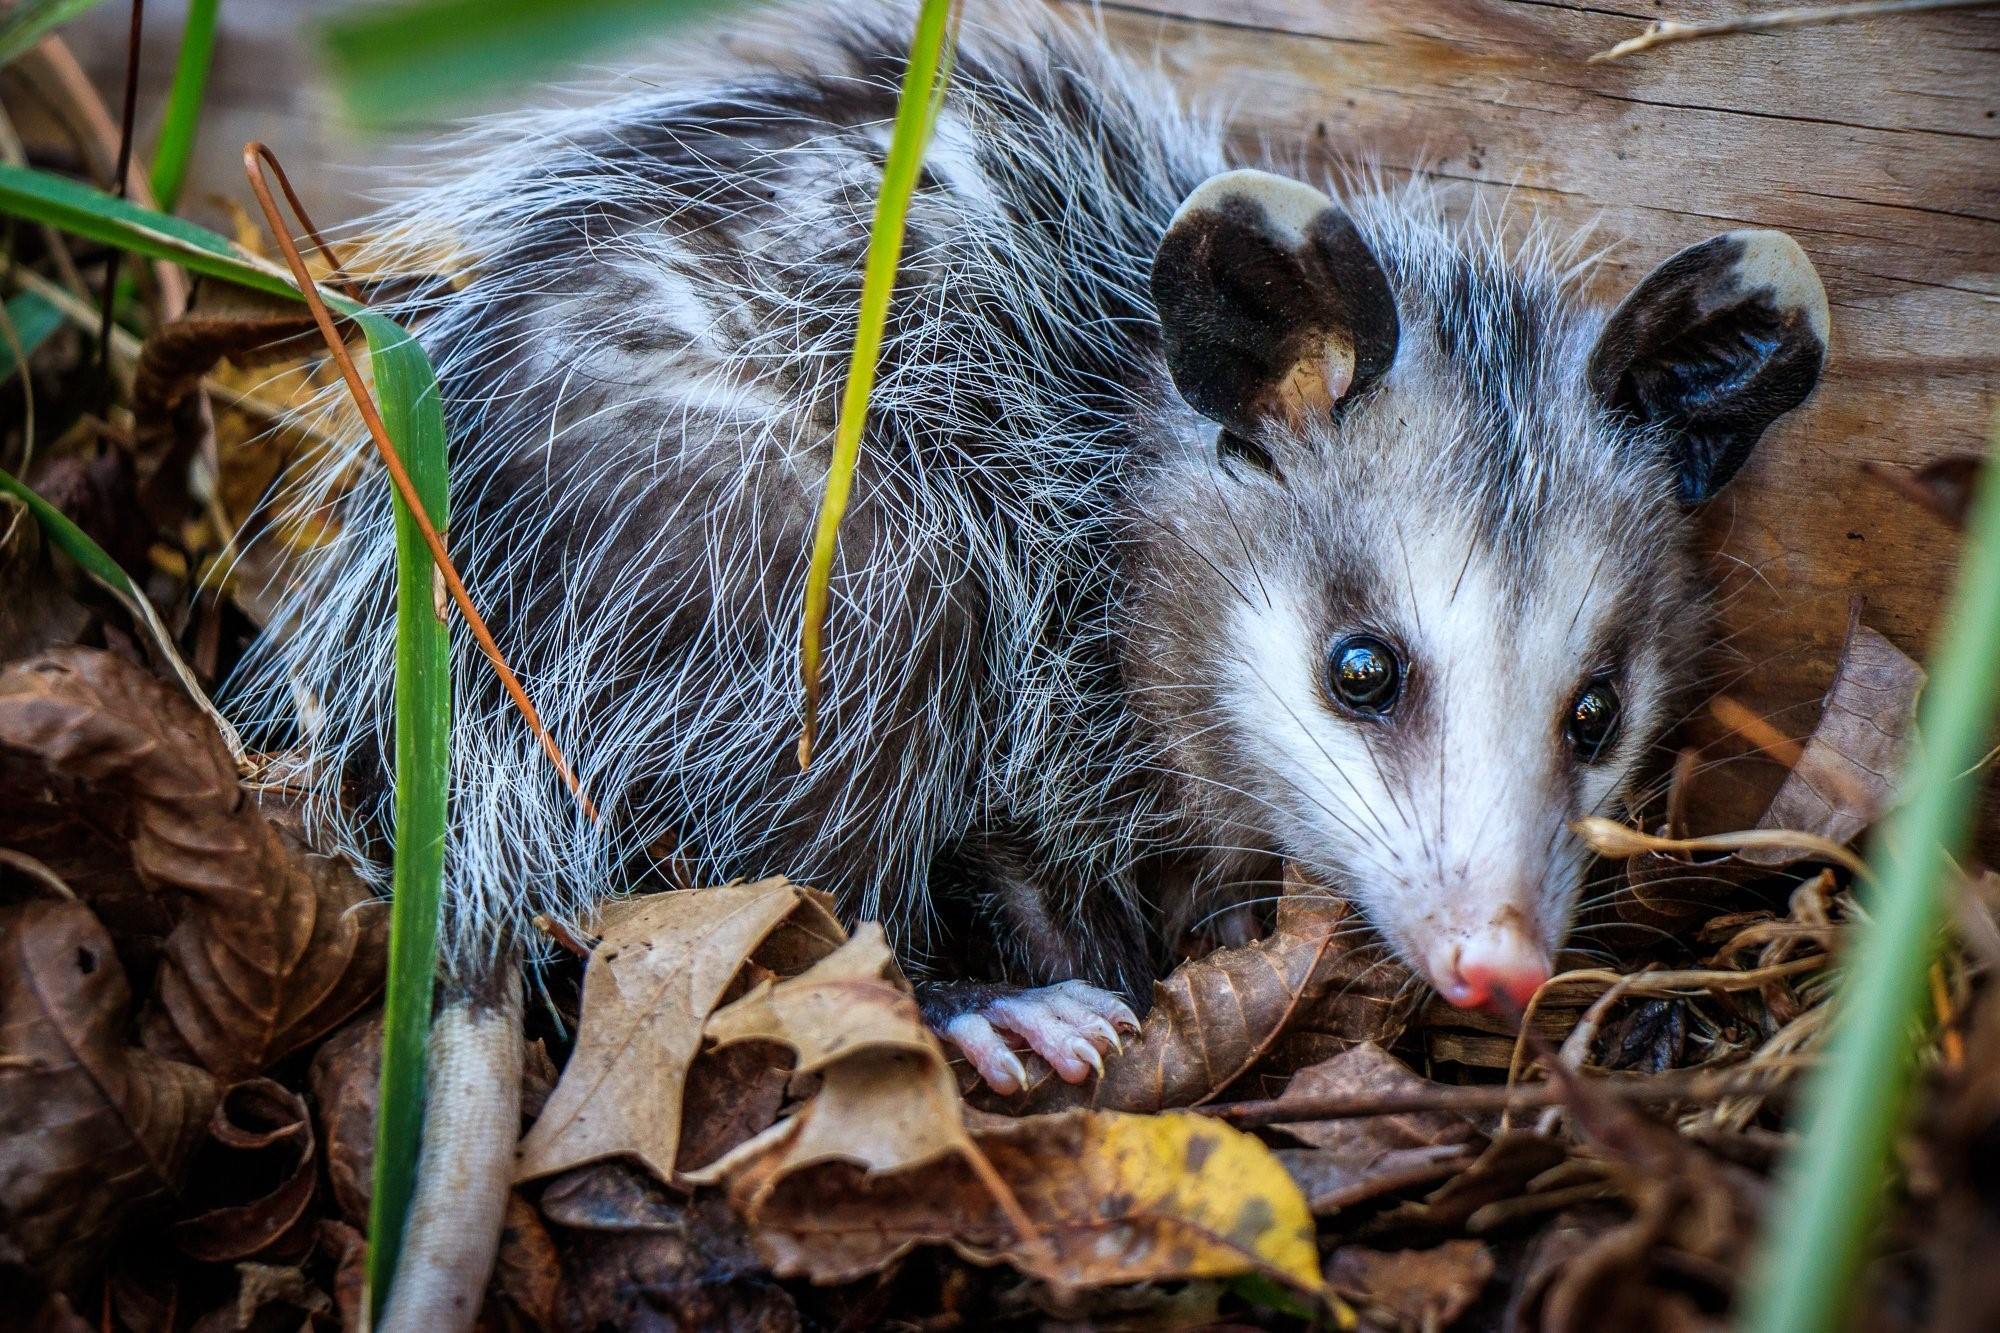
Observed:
{"x":1666,"y":32}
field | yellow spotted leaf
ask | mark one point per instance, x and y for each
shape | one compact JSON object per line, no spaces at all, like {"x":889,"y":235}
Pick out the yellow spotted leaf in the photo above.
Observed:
{"x":1115,"y":1198}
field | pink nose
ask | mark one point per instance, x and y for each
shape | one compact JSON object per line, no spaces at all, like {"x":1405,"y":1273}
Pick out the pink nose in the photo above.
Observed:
{"x":1499,"y":968}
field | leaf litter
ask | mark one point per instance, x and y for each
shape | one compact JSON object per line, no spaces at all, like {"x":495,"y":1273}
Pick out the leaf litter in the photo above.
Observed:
{"x":734,"y":1118}
{"x":748,"y":1124}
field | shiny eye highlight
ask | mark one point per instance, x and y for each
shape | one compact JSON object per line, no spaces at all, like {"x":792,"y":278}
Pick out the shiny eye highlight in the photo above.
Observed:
{"x":1365,"y":674}
{"x":1592,"y":723}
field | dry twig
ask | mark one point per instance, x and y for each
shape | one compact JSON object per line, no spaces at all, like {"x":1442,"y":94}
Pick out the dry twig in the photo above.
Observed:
{"x":1699,"y":1085}
{"x":1667,"y":32}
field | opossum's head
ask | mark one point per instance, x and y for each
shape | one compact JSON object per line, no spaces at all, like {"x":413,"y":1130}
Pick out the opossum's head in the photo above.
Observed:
{"x":1414,"y":591}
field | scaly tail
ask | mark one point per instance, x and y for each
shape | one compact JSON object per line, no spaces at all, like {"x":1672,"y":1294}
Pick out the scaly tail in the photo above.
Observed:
{"x":466,"y":1166}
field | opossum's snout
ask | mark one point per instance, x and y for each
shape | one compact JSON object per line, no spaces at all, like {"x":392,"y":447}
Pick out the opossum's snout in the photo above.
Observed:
{"x":1497,"y":966}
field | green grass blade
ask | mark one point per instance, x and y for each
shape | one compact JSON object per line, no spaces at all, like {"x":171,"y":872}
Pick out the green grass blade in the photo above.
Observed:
{"x":916,"y":113}
{"x":42,"y":196}
{"x":1832,"y":1192}
{"x":32,"y":320}
{"x":408,"y":396}
{"x":406,"y":389}
{"x":184,"y":98}
{"x":30,"y":20}
{"x":94,"y":561}
{"x":392,"y":62}
{"x":73,"y":541}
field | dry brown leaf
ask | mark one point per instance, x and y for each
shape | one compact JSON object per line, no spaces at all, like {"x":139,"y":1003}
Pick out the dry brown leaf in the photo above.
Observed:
{"x":1370,"y":1069}
{"x":1851,"y":768}
{"x":89,"y":1126}
{"x":166,"y":418}
{"x":253,"y":1181}
{"x":527,"y":1275}
{"x":1944,"y":486}
{"x":662,"y":963}
{"x":1355,"y":1160}
{"x":1115,"y":1199}
{"x":1316,"y":985}
{"x":345,"y":1079}
{"x":274,"y":946}
{"x":886,"y":1099}
{"x":1412,"y":1289}
{"x":344,"y":1247}
{"x":639,"y":1255}
{"x":880,"y":1159}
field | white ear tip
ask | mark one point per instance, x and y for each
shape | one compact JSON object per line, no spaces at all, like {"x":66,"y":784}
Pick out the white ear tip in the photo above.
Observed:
{"x":1290,"y":205}
{"x":1774,"y":262}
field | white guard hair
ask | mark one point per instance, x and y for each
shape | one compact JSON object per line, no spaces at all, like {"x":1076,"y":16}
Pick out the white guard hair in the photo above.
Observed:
{"x":640,"y":378}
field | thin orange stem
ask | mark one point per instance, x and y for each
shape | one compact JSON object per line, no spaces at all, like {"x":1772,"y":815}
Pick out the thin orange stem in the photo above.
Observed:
{"x":255,"y":156}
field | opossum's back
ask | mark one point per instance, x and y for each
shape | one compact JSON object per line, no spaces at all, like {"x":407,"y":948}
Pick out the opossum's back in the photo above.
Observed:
{"x":640,"y":380}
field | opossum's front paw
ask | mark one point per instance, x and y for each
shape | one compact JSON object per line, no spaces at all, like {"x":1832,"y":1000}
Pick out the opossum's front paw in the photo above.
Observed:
{"x":1069,"y":1025}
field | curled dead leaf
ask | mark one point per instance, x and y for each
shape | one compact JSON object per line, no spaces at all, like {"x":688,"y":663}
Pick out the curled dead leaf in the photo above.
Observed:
{"x":254,"y":1179}
{"x":886,"y":1099}
{"x":880,"y":1159}
{"x":89,"y":1127}
{"x":661,"y":965}
{"x":343,"y":1247}
{"x":345,"y":1079}
{"x":1316,"y":985}
{"x":274,"y":946}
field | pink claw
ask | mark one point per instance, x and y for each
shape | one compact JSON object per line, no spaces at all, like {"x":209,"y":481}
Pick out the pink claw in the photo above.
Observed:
{"x":1070,"y":1025}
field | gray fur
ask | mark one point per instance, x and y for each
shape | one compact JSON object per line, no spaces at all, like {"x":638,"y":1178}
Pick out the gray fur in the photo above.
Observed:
{"x":1025,"y":732}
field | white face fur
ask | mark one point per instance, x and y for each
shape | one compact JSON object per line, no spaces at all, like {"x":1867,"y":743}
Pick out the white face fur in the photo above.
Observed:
{"x":1432,"y":454}
{"x":1447,"y":813}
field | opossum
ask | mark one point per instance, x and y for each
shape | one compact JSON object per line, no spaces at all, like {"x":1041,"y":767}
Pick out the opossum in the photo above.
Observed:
{"x":1205,"y":516}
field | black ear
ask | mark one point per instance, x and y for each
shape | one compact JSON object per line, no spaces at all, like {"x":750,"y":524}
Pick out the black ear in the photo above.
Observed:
{"x":1271,"y":305}
{"x":1715,"y":345}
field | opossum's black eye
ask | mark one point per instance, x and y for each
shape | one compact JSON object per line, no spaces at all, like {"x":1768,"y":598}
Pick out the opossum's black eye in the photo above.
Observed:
{"x":1592,"y":723}
{"x":1365,"y":674}
{"x":1231,"y":446}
